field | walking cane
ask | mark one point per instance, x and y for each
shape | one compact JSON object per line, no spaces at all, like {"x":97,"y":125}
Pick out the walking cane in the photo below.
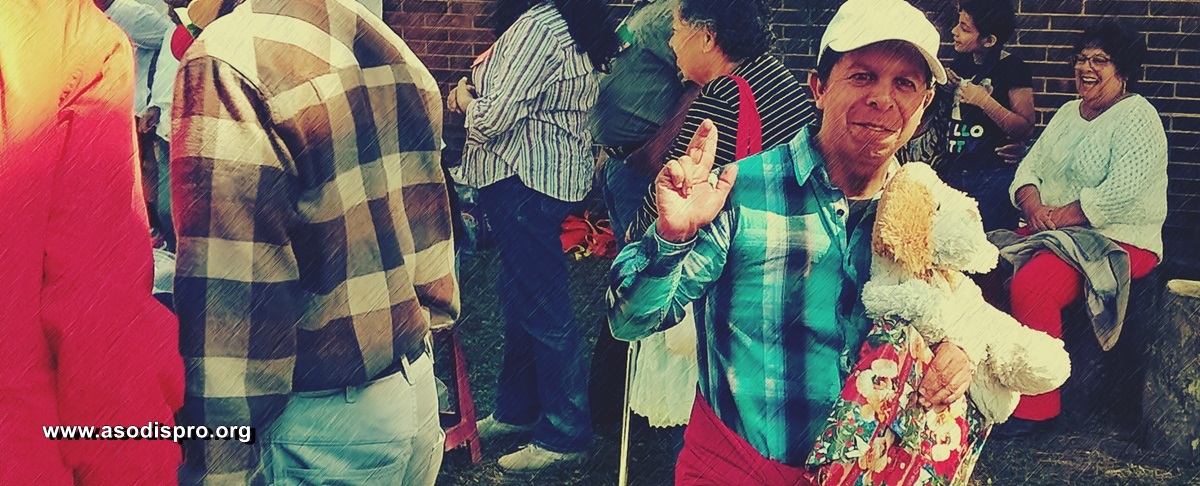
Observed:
{"x":630,"y":367}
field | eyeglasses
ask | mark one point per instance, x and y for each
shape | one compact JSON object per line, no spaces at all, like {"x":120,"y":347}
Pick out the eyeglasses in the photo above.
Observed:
{"x":1096,"y":60}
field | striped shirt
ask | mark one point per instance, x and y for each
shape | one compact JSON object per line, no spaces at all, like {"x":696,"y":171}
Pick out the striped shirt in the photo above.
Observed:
{"x":783,"y":105}
{"x":311,"y":210}
{"x":775,"y":279}
{"x":536,"y":90}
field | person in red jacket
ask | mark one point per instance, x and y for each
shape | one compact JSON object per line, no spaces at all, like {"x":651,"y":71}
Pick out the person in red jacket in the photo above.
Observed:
{"x":84,"y":343}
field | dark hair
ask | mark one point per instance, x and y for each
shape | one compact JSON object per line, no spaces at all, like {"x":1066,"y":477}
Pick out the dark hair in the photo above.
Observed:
{"x":991,"y":17}
{"x":742,"y":28}
{"x":1126,"y":46}
{"x":588,"y":21}
{"x":830,"y":58}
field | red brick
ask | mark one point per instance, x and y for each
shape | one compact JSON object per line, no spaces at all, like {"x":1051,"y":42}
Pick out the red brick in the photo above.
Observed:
{"x":1175,"y":9}
{"x":1184,"y":139}
{"x":1189,"y":25}
{"x":1051,"y":6}
{"x":1187,"y":90}
{"x":1060,"y":85}
{"x":1141,"y":24}
{"x":450,"y":20}
{"x":1184,"y":154}
{"x":1028,"y":53}
{"x":1160,"y":57}
{"x":472,"y":8}
{"x":472,"y":35}
{"x":1184,"y":171}
{"x":1183,"y":187}
{"x":1033,"y":22}
{"x":1049,"y":69}
{"x":462,"y":64}
{"x":1046,"y":38}
{"x":1156,"y":89}
{"x":416,"y":32}
{"x":433,"y":62}
{"x":1185,"y":123}
{"x":1171,"y":72}
{"x":423,"y":6}
{"x":1117,"y":7}
{"x":1190,"y":42}
{"x":399,"y":20}
{"x":1054,"y":100}
{"x":1179,"y":106}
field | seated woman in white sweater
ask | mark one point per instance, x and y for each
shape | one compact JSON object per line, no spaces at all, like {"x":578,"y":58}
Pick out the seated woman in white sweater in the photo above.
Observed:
{"x":1101,"y":164}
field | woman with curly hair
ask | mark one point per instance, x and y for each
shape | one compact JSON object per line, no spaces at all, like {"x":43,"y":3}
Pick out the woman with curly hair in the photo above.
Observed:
{"x":1095,"y":181}
{"x":724,"y":47}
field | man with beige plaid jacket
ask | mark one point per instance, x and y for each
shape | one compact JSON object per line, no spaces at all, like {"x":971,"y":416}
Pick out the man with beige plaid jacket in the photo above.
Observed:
{"x":314,"y":245}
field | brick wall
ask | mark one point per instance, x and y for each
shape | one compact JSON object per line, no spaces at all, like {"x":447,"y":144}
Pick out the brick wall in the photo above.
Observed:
{"x":449,"y":34}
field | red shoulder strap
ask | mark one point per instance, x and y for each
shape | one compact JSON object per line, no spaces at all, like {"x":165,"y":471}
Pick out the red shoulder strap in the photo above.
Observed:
{"x":749,"y":133}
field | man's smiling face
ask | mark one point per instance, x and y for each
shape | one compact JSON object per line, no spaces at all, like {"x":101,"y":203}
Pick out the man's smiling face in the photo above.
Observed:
{"x":873,"y":100}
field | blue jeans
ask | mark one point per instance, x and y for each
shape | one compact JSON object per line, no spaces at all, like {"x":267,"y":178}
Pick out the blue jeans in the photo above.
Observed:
{"x":990,"y":189}
{"x":543,"y":379}
{"x":382,"y":433}
{"x":624,"y":190}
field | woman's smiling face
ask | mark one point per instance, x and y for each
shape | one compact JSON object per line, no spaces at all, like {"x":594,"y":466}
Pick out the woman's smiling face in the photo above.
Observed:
{"x":1096,"y":76}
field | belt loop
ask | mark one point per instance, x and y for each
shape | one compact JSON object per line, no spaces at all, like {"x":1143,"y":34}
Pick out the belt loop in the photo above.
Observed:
{"x":404,"y":365}
{"x":352,"y":393}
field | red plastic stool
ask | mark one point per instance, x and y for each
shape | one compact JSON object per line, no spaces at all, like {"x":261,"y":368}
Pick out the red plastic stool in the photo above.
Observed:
{"x":459,"y":426}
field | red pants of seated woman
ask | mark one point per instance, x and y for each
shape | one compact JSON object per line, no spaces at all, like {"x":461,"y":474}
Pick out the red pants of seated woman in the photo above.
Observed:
{"x":1040,"y":290}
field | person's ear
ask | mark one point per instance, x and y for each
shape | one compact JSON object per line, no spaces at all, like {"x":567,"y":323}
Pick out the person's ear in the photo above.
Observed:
{"x":710,"y":40}
{"x":989,"y":41}
{"x":817,"y":89}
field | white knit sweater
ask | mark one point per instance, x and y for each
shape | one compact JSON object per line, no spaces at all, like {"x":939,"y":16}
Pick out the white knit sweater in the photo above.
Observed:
{"x":1115,"y":166}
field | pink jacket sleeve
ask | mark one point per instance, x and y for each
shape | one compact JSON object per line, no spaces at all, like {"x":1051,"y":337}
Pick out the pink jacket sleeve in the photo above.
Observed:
{"x":114,"y":346}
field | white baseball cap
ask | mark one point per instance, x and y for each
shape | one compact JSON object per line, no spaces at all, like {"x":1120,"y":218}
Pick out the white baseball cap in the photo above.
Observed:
{"x":859,"y":23}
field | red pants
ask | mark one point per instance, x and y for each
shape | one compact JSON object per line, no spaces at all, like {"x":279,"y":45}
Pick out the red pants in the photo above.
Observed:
{"x":714,"y":455}
{"x":1040,"y":290}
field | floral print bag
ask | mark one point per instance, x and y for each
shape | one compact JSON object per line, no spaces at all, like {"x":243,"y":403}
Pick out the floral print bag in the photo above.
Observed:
{"x":879,"y":434}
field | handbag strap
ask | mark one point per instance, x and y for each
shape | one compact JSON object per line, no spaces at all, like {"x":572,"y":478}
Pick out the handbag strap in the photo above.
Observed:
{"x":749,"y":131}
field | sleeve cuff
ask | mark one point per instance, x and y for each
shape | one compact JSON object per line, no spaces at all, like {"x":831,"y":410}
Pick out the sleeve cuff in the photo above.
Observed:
{"x":1091,"y":209}
{"x":471,"y":121}
{"x":1018,"y":184}
{"x":664,"y":256}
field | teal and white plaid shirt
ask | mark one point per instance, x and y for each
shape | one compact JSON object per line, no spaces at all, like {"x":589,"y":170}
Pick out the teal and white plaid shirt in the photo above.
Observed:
{"x":776,"y":279}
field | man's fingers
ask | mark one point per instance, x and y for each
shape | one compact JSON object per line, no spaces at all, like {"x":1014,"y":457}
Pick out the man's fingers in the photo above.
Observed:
{"x":674,"y":175}
{"x":954,"y":388}
{"x":703,"y":147}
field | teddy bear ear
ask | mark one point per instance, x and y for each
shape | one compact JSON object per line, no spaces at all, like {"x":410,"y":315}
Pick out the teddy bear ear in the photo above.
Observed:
{"x":904,"y":223}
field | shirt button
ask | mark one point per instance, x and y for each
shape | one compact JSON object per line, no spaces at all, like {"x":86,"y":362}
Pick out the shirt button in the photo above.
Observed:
{"x":841,"y":212}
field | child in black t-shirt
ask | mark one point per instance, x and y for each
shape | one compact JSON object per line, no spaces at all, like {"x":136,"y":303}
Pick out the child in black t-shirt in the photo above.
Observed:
{"x":993,"y":107}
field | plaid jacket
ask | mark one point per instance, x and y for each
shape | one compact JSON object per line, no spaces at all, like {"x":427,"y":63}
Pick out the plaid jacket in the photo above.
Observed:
{"x":312,"y":214}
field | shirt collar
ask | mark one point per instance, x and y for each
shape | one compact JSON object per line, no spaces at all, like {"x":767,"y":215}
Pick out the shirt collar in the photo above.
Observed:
{"x":809,"y":163}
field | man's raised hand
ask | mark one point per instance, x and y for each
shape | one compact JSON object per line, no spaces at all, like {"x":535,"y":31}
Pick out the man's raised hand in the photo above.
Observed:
{"x":687,"y":200}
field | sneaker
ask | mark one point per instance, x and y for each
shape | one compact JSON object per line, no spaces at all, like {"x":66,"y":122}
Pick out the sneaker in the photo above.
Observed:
{"x":1016,"y":428}
{"x":533,"y":458}
{"x":490,"y":428}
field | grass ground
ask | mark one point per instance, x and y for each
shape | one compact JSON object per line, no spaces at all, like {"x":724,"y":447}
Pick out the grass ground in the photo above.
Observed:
{"x":1085,"y":450}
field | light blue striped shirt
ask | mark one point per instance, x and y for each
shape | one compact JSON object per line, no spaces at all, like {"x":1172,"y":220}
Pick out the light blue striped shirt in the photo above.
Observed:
{"x":776,"y":279}
{"x":531,"y":118}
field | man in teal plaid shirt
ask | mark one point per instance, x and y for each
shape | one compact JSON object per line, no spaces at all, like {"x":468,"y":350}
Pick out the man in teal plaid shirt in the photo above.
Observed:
{"x":776,"y":263}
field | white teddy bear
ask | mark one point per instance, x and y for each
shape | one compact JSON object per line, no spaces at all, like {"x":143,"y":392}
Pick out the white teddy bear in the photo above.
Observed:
{"x":926,"y":235}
